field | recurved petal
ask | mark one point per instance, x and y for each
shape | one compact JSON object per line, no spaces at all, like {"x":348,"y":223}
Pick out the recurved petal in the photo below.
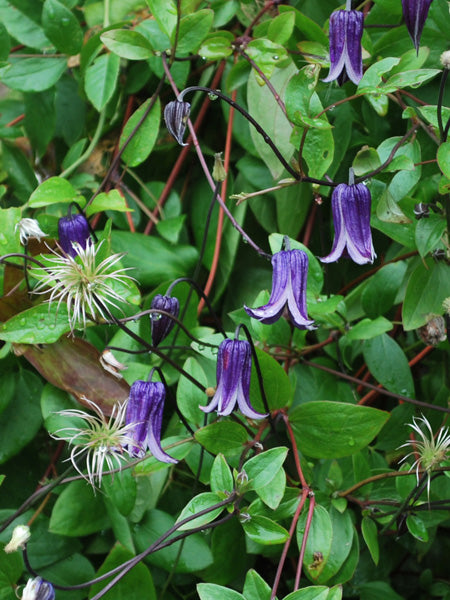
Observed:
{"x":153,"y":440}
{"x":272,"y":311}
{"x":297,"y":290}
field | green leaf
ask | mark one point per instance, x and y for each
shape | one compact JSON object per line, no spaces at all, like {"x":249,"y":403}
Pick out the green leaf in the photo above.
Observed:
{"x":197,"y":504}
{"x":101,"y":79}
{"x":193,"y":30}
{"x":379,"y":294}
{"x":416,"y":528}
{"x":165,"y":14}
{"x":383,"y":350}
{"x":277,"y":386}
{"x":21,"y":418}
{"x":143,"y":140}
{"x":261,"y":469}
{"x":281,"y":28}
{"x":137,"y":584}
{"x":366,"y":160}
{"x":427,"y":288}
{"x":315,"y":592}
{"x":34,"y":74}
{"x":120,"y":489}
{"x":264,"y":108}
{"x":217,"y":45}
{"x":221,"y":479}
{"x":272,"y":493}
{"x":372,"y":77}
{"x":413,"y":78}
{"x":255,"y":588}
{"x":429,"y":234}
{"x":78,"y":511}
{"x":264,"y":531}
{"x":141,"y":250}
{"x":73,"y":570}
{"x":62,"y":27}
{"x":367,"y":329}
{"x":189,"y":396}
{"x":40,"y":119}
{"x":9,"y":236}
{"x":267,"y":56}
{"x":326,"y":429}
{"x":195,"y":554}
{"x":112,"y":200}
{"x":443,"y":158}
{"x":53,"y":191}
{"x":127,"y":44}
{"x":370,"y":535}
{"x":318,"y":544}
{"x":41,"y":324}
{"x":341,"y":545}
{"x":11,"y":568}
{"x":21,"y":27}
{"x":211,"y":591}
{"x":223,"y":436}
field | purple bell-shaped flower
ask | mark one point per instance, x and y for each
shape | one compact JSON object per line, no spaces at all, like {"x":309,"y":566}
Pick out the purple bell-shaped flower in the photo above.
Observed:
{"x":234,"y":366}
{"x":351,"y":218}
{"x":346,"y":29}
{"x":290,"y":271}
{"x":161,"y":324}
{"x":38,"y":589}
{"x":145,"y":411}
{"x":415,"y":13}
{"x":73,"y":228}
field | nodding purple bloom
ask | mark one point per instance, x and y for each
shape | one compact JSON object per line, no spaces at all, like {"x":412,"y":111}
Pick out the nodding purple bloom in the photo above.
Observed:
{"x":73,"y":228}
{"x":162,"y":325}
{"x":290,"y":271}
{"x":351,"y":218}
{"x":145,"y":410}
{"x":38,"y":589}
{"x":176,"y":115}
{"x":415,"y":13}
{"x":346,"y":29}
{"x":234,"y":366}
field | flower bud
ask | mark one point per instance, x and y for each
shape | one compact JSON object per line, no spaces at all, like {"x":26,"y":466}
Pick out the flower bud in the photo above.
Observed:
{"x":20,"y":537}
{"x":219,"y":173}
{"x":445,"y":59}
{"x":71,"y":229}
{"x":176,"y":115}
{"x":161,"y":324}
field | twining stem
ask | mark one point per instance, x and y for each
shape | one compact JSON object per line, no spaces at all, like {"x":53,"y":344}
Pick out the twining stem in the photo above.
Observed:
{"x":296,"y":454}
{"x":220,"y":218}
{"x":312,"y":503}
{"x":287,"y":543}
{"x":381,"y":476}
{"x":376,"y":388}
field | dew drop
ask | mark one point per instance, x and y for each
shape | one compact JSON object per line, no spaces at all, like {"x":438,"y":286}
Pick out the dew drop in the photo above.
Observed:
{"x":276,"y":57}
{"x":351,"y":442}
{"x":155,"y":317}
{"x":23,"y":321}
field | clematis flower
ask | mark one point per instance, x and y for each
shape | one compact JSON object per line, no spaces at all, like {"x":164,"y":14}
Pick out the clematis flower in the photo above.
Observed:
{"x":415,"y":13}
{"x":346,"y":29}
{"x":73,"y":229}
{"x":351,"y":218}
{"x":234,"y":366}
{"x":290,"y":271}
{"x":85,"y":286}
{"x":29,"y":228}
{"x":38,"y":589}
{"x":102,"y":440}
{"x":176,"y":115}
{"x":430,"y":450}
{"x":160,"y":324}
{"x":144,"y":418}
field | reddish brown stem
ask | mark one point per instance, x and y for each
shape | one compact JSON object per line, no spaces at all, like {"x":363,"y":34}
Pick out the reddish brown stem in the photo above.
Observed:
{"x":223,"y":192}
{"x":16,"y":120}
{"x":312,"y":502}
{"x":295,"y":450}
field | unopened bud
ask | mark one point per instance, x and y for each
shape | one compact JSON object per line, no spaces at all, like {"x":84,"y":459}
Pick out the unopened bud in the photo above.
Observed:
{"x":219,"y":173}
{"x":176,"y":115}
{"x":445,"y":59}
{"x":20,"y":537}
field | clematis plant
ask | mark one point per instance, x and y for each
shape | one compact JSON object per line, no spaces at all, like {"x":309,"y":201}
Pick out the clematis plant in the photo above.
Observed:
{"x":415,"y":13}
{"x":144,"y":418}
{"x":234,"y":366}
{"x":351,"y":218}
{"x":346,"y":29}
{"x":290,"y":271}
